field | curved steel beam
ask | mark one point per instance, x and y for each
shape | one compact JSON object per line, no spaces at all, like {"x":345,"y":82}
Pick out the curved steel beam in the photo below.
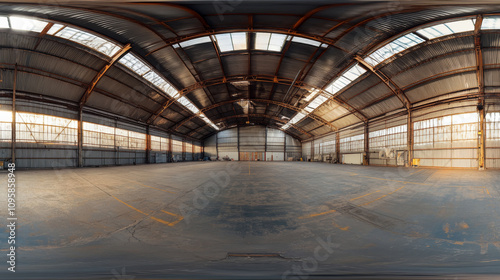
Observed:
{"x":176,"y":40}
{"x":252,"y":78}
{"x":281,"y":104}
{"x":247,"y":116}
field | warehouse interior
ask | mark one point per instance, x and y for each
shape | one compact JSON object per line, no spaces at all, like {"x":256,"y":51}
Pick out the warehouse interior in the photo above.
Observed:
{"x":246,"y":139}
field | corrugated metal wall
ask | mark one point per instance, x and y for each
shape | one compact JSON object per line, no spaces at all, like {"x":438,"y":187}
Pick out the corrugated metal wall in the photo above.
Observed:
{"x":255,"y":142}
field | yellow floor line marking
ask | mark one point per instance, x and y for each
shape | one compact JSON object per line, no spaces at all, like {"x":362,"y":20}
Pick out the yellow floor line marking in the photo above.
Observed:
{"x":488,"y":191}
{"x":317,"y":214}
{"x":404,"y":182}
{"x":367,"y":203}
{"x":179,"y":217}
{"x":417,"y":171}
{"x":364,"y":195}
{"x":341,"y":228}
{"x":151,"y":217}
{"x":151,"y":187}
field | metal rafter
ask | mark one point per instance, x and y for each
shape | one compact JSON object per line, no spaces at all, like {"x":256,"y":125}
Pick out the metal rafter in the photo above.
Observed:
{"x":251,"y":78}
{"x":281,"y":104}
{"x":247,"y":116}
{"x":388,"y":82}
{"x":101,"y":74}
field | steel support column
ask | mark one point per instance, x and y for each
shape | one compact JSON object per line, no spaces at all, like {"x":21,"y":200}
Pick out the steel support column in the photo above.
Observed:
{"x":13,"y":142}
{"x":410,"y":138}
{"x":366,"y":158}
{"x":169,"y":152}
{"x":482,"y":99}
{"x":148,"y":145}
{"x":80,"y":137}
{"x":337,"y":146}
{"x":238,"y":139}
{"x":265,"y":145}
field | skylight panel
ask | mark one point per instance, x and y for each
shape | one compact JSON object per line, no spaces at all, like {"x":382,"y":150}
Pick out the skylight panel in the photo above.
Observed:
{"x":135,"y":64}
{"x":239,"y":41}
{"x":448,"y":28}
{"x":338,"y":85}
{"x":354,"y":72}
{"x":490,"y":23}
{"x":286,"y":126}
{"x":306,"y":41}
{"x":297,"y":118}
{"x":4,"y":22}
{"x":318,"y":101}
{"x":232,"y":41}
{"x":197,"y":41}
{"x":269,"y":41}
{"x":27,"y":24}
{"x":402,"y":43}
{"x":190,"y":106}
{"x":90,"y":40}
{"x":155,"y":79}
{"x":53,"y":30}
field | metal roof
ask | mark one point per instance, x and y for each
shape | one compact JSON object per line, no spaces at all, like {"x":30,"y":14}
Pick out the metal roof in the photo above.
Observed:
{"x":250,"y":86}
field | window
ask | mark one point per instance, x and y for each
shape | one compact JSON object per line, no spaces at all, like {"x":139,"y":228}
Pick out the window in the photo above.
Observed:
{"x":134,"y":64}
{"x":490,"y":23}
{"x":197,"y":41}
{"x":232,"y":41}
{"x":44,"y":129}
{"x":27,"y":24}
{"x":388,"y":138}
{"x":55,"y":28}
{"x":92,"y":41}
{"x":402,"y":43}
{"x":352,"y":144}
{"x":96,"y":135}
{"x":308,"y":42}
{"x":269,"y":41}
{"x":318,"y":101}
{"x":347,"y":77}
{"x":5,"y":126}
{"x":4,"y":22}
{"x":493,"y":126}
{"x":449,"y":28}
{"x":190,"y":106}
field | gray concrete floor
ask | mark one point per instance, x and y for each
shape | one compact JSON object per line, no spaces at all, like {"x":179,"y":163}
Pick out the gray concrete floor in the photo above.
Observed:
{"x":227,"y":219}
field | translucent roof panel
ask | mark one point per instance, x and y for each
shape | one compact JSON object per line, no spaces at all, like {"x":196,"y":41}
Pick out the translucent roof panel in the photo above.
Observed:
{"x":54,"y":29}
{"x":490,"y":23}
{"x":4,"y":22}
{"x":197,"y":41}
{"x":286,"y":126}
{"x":448,"y":28}
{"x":318,"y":101}
{"x":269,"y":41}
{"x":190,"y":106}
{"x":27,"y":24}
{"x":338,"y":85}
{"x":306,"y":41}
{"x":135,"y":64}
{"x":402,"y":43}
{"x":90,"y":40}
{"x":354,"y":72}
{"x":297,"y":118}
{"x":232,"y":41}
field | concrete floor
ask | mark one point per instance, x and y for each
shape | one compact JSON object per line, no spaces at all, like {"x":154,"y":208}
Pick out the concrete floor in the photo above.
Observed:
{"x":280,"y":220}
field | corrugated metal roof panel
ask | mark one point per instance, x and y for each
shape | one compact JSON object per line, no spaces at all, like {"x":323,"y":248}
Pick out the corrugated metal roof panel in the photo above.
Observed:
{"x":360,"y":86}
{"x":442,"y":86}
{"x":51,"y":86}
{"x":235,"y":64}
{"x":435,"y":67}
{"x":382,"y":107}
{"x":264,"y":64}
{"x":369,"y":96}
{"x":346,"y":121}
{"x":330,"y":64}
{"x":424,"y":52}
{"x":108,"y":104}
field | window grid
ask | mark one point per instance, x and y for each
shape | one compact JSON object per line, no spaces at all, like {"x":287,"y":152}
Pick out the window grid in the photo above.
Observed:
{"x":389,"y":138}
{"x":352,"y":144}
{"x":44,"y":129}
